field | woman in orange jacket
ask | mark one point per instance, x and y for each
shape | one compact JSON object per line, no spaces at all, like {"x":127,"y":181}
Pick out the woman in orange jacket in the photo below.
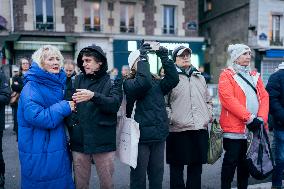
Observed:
{"x":245,"y":105}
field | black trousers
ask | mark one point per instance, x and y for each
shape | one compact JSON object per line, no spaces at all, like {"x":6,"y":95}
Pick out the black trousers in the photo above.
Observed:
{"x":15,"y":110}
{"x":193,"y":180}
{"x":235,"y":155}
{"x":151,"y":161}
{"x":2,"y":164}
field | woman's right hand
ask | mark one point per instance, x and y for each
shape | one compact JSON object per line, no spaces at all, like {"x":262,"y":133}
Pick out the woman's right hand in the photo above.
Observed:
{"x":72,"y":105}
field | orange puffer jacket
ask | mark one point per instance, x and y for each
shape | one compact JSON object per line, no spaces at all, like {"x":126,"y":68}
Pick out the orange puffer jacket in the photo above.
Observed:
{"x":234,"y":114}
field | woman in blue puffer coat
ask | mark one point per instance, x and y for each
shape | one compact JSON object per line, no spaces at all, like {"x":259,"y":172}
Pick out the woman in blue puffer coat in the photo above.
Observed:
{"x":42,"y":142}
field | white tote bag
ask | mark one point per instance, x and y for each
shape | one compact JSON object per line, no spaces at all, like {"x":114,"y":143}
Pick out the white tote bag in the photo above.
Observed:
{"x":128,"y":135}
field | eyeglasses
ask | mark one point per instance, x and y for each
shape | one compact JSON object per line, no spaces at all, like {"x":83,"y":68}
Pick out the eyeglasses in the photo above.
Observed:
{"x":184,"y":55}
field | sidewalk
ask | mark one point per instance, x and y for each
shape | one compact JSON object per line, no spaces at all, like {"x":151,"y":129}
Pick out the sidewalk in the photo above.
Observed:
{"x":259,"y":186}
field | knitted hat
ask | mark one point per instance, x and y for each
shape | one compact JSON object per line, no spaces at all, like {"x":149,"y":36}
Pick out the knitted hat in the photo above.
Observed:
{"x":178,"y":51}
{"x":236,"y":50}
{"x":133,"y":56}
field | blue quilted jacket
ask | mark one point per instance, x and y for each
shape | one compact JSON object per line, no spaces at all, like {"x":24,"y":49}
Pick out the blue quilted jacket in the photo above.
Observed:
{"x":44,"y":159}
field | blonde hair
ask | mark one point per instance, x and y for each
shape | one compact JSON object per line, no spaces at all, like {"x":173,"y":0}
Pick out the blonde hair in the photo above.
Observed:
{"x":45,"y":51}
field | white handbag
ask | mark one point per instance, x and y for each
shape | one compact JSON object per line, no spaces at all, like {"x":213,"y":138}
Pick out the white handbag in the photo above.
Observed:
{"x":128,"y":135}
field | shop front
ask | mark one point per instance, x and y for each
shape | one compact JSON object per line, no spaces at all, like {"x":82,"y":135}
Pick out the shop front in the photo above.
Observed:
{"x":269,"y":61}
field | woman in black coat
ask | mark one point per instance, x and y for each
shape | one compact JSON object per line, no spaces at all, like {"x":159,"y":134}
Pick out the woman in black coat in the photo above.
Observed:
{"x":150,"y":112}
{"x":17,"y":86}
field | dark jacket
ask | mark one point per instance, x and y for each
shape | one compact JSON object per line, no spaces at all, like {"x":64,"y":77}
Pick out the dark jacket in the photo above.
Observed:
{"x":148,"y":93}
{"x":43,"y":153}
{"x":17,"y":88}
{"x":69,"y":88}
{"x":275,"y":89}
{"x":95,"y":128}
{"x":5,"y":93}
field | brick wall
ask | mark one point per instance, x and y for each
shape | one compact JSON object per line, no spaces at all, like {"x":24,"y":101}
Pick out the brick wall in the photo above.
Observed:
{"x":69,"y":19}
{"x":149,"y":23}
{"x":19,"y":16}
{"x":190,"y":13}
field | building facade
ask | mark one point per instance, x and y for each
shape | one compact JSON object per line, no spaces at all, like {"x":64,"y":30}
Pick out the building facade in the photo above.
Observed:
{"x":222,"y":23}
{"x":258,"y":23}
{"x":116,"y":25}
{"x":266,"y":34}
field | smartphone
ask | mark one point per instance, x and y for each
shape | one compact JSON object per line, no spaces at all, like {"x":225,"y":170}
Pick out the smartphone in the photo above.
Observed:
{"x":155,"y":45}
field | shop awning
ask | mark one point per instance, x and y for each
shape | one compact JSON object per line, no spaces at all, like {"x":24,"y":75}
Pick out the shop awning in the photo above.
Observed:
{"x":35,"y":42}
{"x":275,"y":53}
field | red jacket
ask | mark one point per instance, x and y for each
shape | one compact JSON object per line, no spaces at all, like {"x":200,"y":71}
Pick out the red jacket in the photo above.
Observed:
{"x":234,"y":114}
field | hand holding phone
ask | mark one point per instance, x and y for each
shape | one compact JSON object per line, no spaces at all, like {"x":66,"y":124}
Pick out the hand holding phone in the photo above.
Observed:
{"x":155,"y":45}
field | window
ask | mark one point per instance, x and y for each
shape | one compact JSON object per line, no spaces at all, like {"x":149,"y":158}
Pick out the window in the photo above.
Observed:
{"x":169,"y":20}
{"x":92,"y":21}
{"x":44,"y":15}
{"x":275,"y":32}
{"x":207,"y":5}
{"x":127,"y":18}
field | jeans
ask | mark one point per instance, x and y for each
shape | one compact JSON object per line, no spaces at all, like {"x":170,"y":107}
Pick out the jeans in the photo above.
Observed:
{"x":279,"y":158}
{"x":193,"y":176}
{"x":235,"y":155}
{"x":150,"y":159}
{"x":82,"y":169}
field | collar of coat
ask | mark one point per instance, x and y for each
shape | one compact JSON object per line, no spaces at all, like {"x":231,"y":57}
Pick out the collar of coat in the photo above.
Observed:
{"x":193,"y":71}
{"x":255,"y":75}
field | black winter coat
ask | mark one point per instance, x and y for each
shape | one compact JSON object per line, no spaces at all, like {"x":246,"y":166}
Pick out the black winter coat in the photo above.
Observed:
{"x":148,"y":93}
{"x":17,"y":88}
{"x":69,"y":88}
{"x":95,"y":128}
{"x":275,"y":89}
{"x":5,"y":93}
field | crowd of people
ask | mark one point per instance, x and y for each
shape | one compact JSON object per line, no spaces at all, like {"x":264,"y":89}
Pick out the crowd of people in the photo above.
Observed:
{"x":66,"y":119}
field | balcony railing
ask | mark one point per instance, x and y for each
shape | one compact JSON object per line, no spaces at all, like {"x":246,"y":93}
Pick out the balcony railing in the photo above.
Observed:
{"x":125,"y":29}
{"x":94,"y":28}
{"x":276,"y":42}
{"x":47,"y":26}
{"x":169,"y":31}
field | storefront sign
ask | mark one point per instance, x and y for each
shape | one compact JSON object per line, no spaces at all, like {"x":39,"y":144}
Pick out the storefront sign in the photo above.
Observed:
{"x":191,"y":25}
{"x":34,"y":45}
{"x":263,"y":37}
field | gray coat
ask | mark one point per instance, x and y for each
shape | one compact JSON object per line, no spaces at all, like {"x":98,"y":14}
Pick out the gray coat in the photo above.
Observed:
{"x":191,"y":104}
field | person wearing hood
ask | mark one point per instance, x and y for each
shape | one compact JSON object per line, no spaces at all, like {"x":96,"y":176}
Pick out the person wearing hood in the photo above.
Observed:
{"x":145,"y":93}
{"x":93,"y":132}
{"x":244,"y":107}
{"x":275,"y":90}
{"x":42,"y":140}
{"x":190,"y":112}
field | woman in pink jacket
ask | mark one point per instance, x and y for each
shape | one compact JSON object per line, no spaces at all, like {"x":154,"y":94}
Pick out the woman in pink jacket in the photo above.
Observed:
{"x":245,"y":105}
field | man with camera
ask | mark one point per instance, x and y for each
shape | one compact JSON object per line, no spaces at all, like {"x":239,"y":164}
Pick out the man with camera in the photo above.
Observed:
{"x":191,"y":111}
{"x":150,"y":112}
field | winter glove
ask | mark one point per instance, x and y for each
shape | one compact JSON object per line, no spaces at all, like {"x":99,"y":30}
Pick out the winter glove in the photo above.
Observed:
{"x":254,"y":125}
{"x":144,"y":48}
{"x":163,"y":53}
